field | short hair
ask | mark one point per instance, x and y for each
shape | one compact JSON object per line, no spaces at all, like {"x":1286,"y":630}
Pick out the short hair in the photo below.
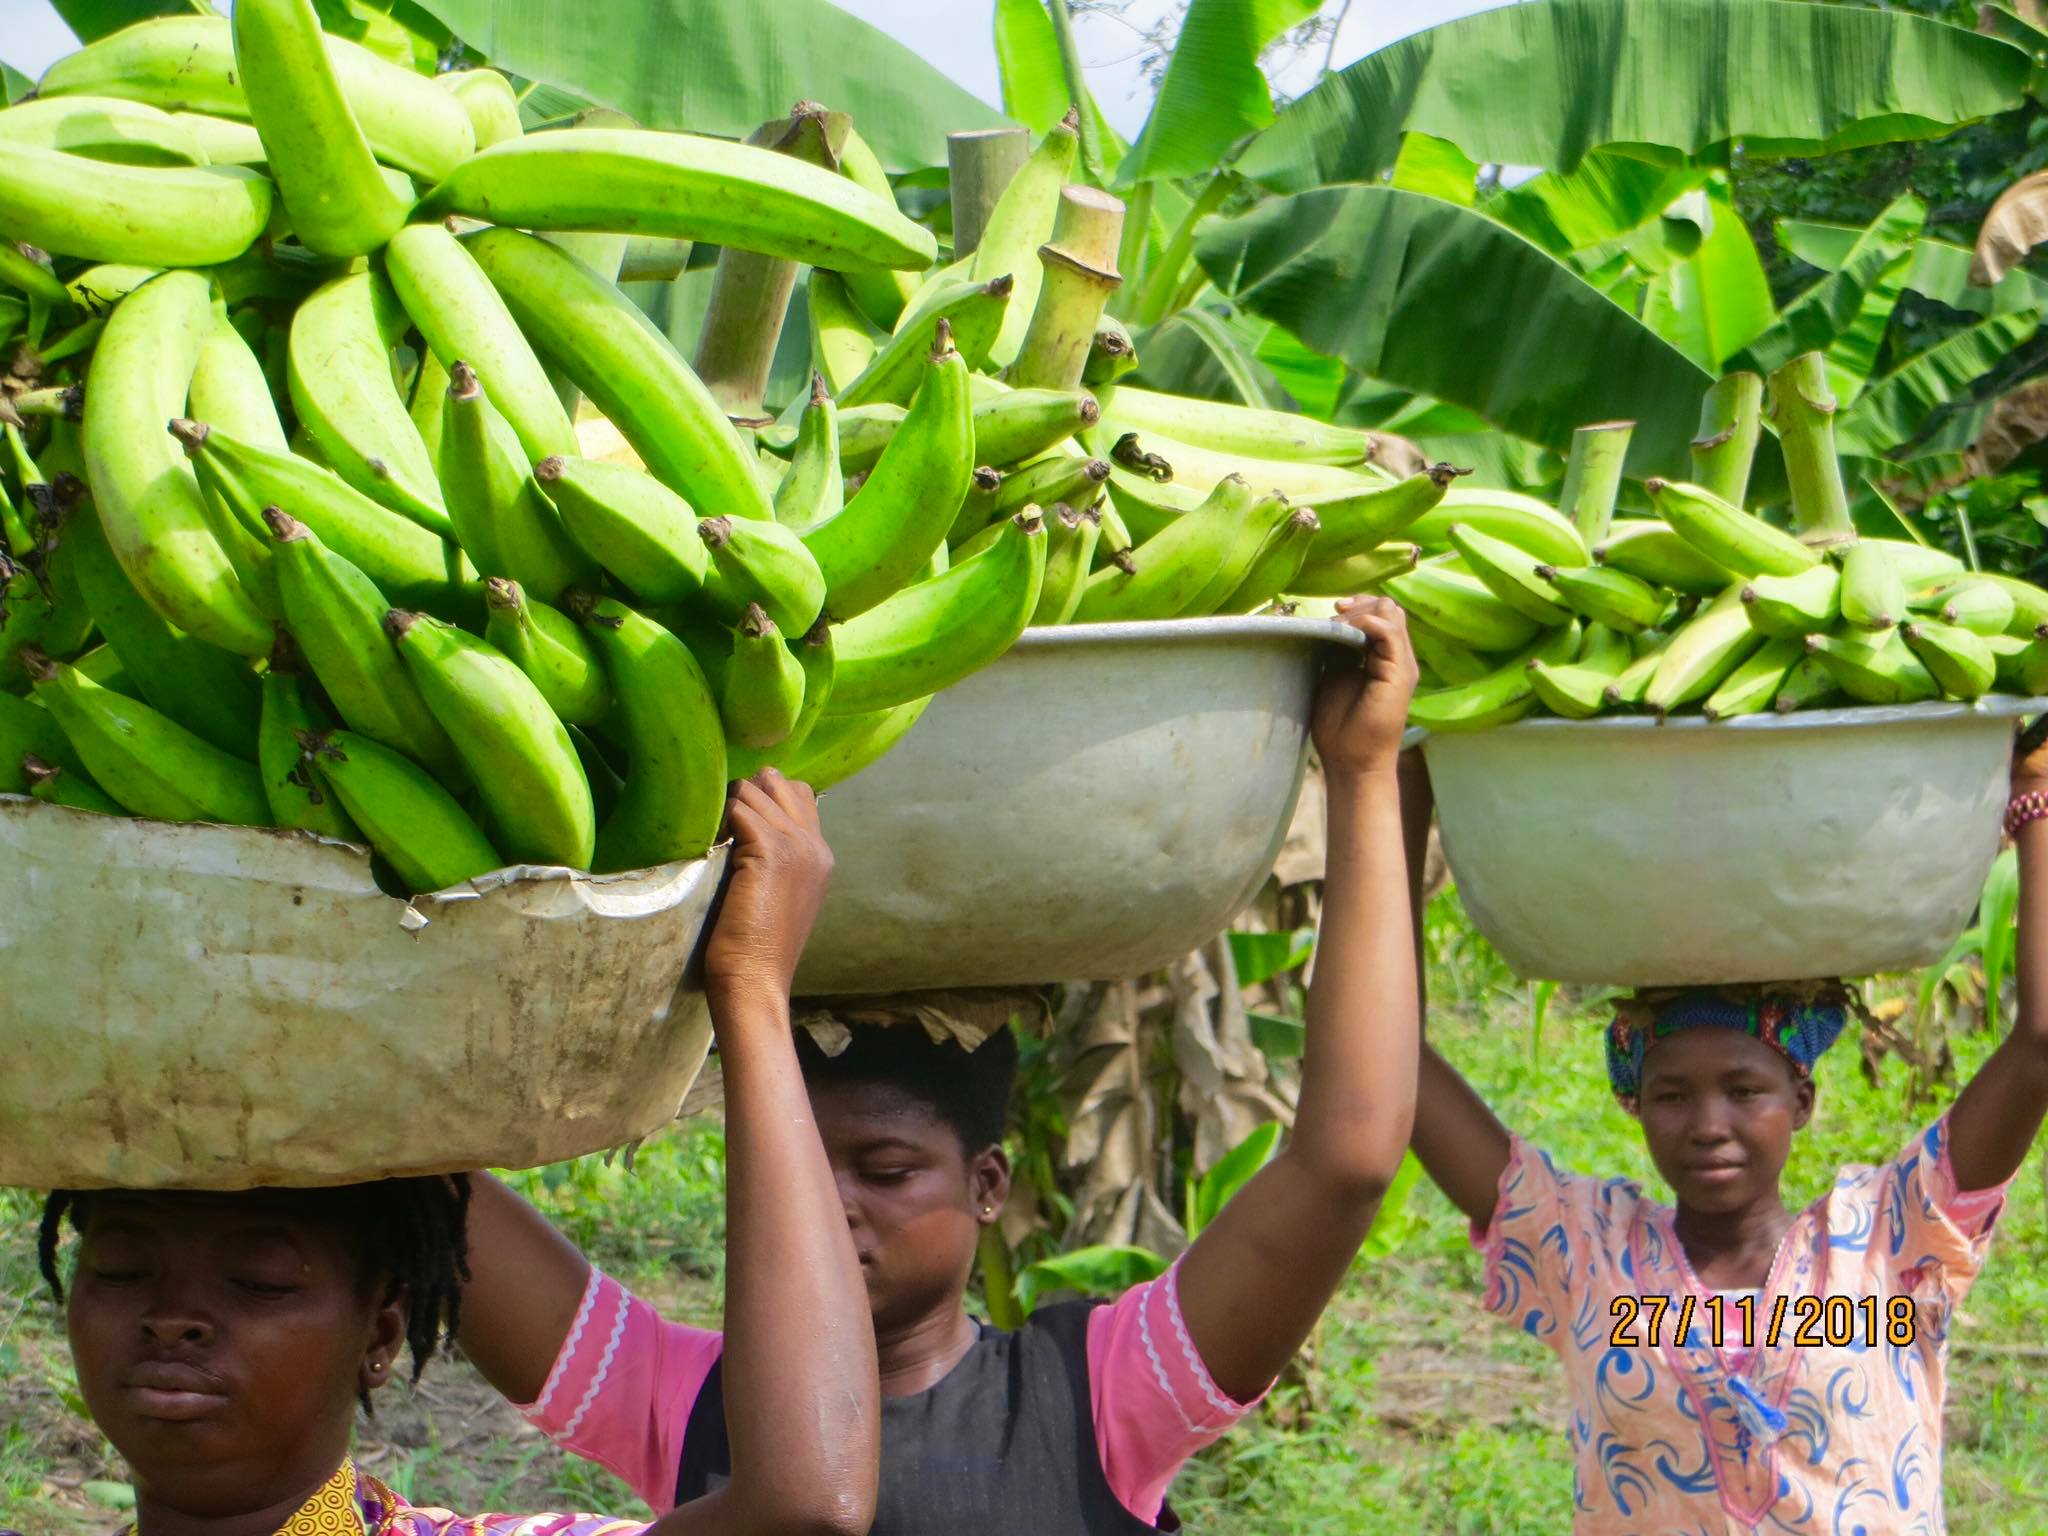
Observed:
{"x":413,"y":1234}
{"x":968,"y":1090}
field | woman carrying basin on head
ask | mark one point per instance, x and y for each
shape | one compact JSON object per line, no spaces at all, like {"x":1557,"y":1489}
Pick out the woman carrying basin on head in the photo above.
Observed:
{"x":1735,"y":1364}
{"x":223,"y":1342}
{"x":1078,"y":1421}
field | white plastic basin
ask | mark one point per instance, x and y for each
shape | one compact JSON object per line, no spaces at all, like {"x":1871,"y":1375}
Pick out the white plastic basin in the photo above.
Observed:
{"x":1764,"y":848}
{"x":1098,"y":802}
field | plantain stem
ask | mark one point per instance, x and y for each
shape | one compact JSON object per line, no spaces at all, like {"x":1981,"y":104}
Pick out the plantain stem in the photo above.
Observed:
{"x":1080,"y":275}
{"x":750,"y":292}
{"x":980,"y":164}
{"x":1803,"y":410}
{"x":1731,"y":420}
{"x":1592,"y":477}
{"x":1137,"y":245}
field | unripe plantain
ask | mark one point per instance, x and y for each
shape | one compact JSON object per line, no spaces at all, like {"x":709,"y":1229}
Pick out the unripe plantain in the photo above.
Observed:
{"x":1069,"y":555}
{"x":334,"y":192}
{"x":155,"y":518}
{"x":341,"y":387}
{"x":667,"y":720}
{"x":635,"y":527}
{"x":632,"y":181}
{"x":1805,"y":604}
{"x":187,"y":63}
{"x":499,"y":512}
{"x":295,"y":795}
{"x":584,"y":326}
{"x":1499,"y":697}
{"x":763,"y":691}
{"x":241,"y":479}
{"x":1879,"y":671}
{"x":888,"y":529}
{"x":336,"y":614}
{"x":54,"y":785}
{"x":931,"y":635}
{"x":190,"y":216}
{"x":1727,"y":535}
{"x":763,"y":563}
{"x":416,"y":825}
{"x":145,"y":760}
{"x":463,"y":318}
{"x":1647,"y":548}
{"x":207,"y":690}
{"x":519,"y":755}
{"x":551,"y":650}
{"x":1962,"y":662}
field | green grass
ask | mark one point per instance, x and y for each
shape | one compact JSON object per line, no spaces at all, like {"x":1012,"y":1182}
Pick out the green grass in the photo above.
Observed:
{"x":1414,"y":1410}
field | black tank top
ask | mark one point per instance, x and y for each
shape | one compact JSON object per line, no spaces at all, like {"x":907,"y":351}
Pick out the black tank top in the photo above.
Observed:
{"x":1004,"y":1445}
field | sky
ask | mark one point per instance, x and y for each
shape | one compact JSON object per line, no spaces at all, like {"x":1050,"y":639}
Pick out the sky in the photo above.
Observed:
{"x":955,"y":35}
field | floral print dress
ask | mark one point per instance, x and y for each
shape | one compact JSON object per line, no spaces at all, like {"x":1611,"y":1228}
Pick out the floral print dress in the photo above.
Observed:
{"x":1827,"y":1424}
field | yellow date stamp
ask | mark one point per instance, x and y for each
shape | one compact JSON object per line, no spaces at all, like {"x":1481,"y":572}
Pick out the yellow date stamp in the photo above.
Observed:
{"x":1741,"y":1322}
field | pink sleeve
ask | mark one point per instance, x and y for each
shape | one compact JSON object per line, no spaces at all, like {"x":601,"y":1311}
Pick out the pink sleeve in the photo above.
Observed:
{"x":1155,"y":1403}
{"x":622,"y":1388}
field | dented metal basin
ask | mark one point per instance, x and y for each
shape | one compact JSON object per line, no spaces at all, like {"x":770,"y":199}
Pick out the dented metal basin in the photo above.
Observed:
{"x":204,"y":1007}
{"x":1101,"y":800}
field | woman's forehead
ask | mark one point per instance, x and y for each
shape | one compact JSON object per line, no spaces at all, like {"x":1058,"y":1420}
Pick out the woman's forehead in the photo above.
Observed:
{"x":1710,"y":1052}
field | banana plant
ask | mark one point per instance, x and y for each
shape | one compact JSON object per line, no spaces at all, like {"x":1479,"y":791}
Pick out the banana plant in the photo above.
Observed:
{"x":1625,"y":260}
{"x":713,"y":66}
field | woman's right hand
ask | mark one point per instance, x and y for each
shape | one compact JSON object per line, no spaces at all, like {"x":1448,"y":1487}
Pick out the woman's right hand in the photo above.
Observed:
{"x":780,"y":867}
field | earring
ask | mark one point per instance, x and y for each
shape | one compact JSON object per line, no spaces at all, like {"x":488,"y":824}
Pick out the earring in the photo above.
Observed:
{"x":376,"y":1367}
{"x":988,"y":1210}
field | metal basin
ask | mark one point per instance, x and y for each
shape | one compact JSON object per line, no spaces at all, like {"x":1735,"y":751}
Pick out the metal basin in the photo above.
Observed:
{"x":205,"y":1007}
{"x":1764,"y":848}
{"x":1101,"y":800}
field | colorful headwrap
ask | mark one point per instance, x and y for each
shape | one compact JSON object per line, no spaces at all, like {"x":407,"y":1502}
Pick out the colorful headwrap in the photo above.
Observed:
{"x":1799,"y":1020}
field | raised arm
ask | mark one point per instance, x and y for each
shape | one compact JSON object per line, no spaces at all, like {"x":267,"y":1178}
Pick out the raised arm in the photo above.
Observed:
{"x":802,"y":1404}
{"x":1458,"y":1141}
{"x":1999,"y":1111}
{"x":1254,"y":1283}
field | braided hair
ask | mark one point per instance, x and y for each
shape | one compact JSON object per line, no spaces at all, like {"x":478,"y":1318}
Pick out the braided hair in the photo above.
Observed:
{"x":410,"y":1234}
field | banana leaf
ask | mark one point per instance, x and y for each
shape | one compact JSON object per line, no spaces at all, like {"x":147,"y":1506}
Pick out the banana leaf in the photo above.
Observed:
{"x":1436,"y":167}
{"x":1717,"y":301}
{"x":1595,"y":207}
{"x":1995,"y":915}
{"x":13,"y":83}
{"x":93,"y":19}
{"x":1199,"y":352}
{"x":1313,"y":380}
{"x":1213,"y":92}
{"x":1441,"y":300}
{"x":1035,"y":90}
{"x":1028,"y":64}
{"x":1895,"y":408}
{"x":1546,"y":84}
{"x":1107,"y":1269}
{"x":1852,"y":356}
{"x":725,"y":66}
{"x":1812,"y":321}
{"x":1236,"y":1168}
{"x":1940,"y":269}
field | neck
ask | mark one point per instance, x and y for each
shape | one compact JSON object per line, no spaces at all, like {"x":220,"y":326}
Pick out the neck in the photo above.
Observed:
{"x":1743,"y":1239}
{"x":155,"y":1517}
{"x":915,"y":1357}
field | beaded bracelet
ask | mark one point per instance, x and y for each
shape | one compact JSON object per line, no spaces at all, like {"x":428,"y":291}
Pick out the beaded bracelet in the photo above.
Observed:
{"x":2022,"y":809}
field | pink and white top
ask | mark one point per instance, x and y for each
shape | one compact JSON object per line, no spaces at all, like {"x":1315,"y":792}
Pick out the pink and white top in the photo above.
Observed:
{"x":1825,"y":1419}
{"x":624,"y":1382}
